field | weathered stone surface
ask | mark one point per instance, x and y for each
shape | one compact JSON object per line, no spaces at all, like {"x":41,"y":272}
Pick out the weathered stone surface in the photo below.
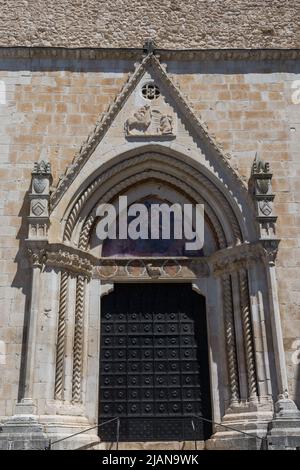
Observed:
{"x":173,"y":23}
{"x":49,"y":108}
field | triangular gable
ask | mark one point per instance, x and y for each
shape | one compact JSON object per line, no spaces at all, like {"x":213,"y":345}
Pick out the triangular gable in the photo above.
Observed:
{"x":149,"y":63}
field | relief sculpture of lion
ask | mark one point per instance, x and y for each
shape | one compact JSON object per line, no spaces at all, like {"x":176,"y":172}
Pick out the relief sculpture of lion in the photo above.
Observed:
{"x":140,"y":120}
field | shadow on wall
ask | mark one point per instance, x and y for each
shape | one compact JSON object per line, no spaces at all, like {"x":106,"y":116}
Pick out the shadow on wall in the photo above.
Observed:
{"x":297,"y":388}
{"x":119,"y":65}
{"x":22,"y":281}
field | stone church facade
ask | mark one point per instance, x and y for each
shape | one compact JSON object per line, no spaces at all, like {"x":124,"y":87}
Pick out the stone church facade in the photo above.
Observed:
{"x":181,"y":120}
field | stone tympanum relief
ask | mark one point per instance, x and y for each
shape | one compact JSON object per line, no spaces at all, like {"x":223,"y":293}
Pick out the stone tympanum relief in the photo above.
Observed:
{"x":150,"y":122}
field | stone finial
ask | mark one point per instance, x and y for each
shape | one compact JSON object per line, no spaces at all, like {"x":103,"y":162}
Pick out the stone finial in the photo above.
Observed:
{"x":259,"y":166}
{"x":41,"y":168}
{"x":149,"y":46}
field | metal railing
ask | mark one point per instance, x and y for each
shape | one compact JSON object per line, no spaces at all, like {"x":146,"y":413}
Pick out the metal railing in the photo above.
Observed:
{"x":195,"y":417}
{"x":262,"y":439}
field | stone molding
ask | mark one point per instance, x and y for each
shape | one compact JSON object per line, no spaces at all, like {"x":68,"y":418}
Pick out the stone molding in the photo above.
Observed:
{"x":144,"y":268}
{"x":222,"y":262}
{"x":75,"y":263}
{"x":150,"y":62}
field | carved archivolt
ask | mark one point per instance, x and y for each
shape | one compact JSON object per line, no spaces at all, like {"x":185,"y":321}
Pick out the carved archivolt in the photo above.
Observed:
{"x":193,"y":176}
{"x":85,"y":233}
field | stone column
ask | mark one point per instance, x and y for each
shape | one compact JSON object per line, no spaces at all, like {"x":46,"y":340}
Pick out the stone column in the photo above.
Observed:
{"x":37,"y":261}
{"x":230,"y":341}
{"x":271,"y":247}
{"x":78,"y":340}
{"x":248,"y":335}
{"x":61,"y":337}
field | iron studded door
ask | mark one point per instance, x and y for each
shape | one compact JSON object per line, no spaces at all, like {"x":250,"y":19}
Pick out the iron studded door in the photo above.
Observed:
{"x":154,"y":363}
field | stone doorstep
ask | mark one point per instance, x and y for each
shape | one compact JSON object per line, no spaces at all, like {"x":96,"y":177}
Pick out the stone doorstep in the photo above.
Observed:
{"x":164,"y":445}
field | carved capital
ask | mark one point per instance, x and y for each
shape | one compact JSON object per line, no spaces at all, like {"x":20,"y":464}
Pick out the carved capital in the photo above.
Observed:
{"x":270,"y":249}
{"x":37,"y":257}
{"x":235,"y":259}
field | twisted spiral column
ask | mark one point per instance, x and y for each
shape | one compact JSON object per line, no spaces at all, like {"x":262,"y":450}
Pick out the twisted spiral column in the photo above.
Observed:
{"x":61,"y":333}
{"x":248,"y":335}
{"x":78,"y":340}
{"x":230,"y":340}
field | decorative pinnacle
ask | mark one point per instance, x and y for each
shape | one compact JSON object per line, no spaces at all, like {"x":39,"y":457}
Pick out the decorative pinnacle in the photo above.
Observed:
{"x":149,"y":46}
{"x":259,"y":166}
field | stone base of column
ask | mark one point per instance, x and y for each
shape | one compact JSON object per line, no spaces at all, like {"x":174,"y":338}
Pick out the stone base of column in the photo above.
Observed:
{"x":244,"y":429}
{"x":255,"y":405}
{"x":22,"y":431}
{"x":284,"y":430}
{"x":25,"y":430}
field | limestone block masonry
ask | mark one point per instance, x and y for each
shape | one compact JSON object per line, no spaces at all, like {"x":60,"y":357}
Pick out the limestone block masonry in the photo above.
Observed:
{"x":72,"y":134}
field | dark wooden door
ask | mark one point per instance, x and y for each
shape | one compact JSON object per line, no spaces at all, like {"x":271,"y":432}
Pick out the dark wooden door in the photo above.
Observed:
{"x":154,"y":363}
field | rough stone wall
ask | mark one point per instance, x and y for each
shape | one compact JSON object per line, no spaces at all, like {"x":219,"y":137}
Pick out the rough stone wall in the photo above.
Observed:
{"x":173,"y":23}
{"x":48,"y":108}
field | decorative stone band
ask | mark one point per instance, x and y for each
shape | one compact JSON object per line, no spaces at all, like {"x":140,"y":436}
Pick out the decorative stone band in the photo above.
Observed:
{"x":150,"y":268}
{"x":75,"y":263}
{"x":135,"y":53}
{"x":224,"y":261}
